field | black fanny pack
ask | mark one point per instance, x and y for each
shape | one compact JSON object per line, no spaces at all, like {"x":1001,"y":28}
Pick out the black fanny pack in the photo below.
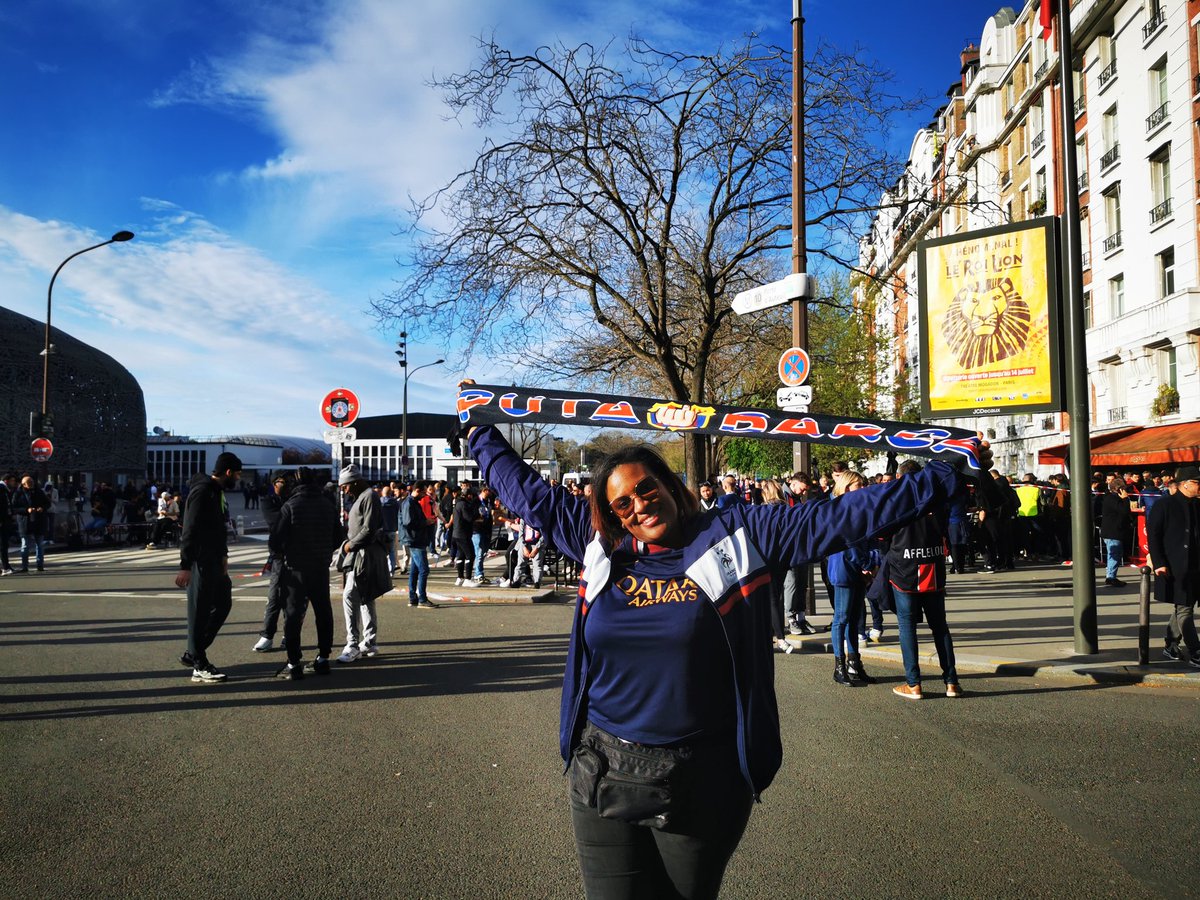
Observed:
{"x":629,"y":782}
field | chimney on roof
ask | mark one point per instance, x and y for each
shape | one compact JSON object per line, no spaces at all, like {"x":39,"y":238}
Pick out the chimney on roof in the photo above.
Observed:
{"x":970,"y":54}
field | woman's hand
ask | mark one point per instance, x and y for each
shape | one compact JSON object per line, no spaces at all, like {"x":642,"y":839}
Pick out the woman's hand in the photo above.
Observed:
{"x":470,"y":428}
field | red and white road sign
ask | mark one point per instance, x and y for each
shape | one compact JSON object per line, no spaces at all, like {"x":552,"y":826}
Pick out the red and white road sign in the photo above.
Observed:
{"x":41,"y":449}
{"x":340,"y":408}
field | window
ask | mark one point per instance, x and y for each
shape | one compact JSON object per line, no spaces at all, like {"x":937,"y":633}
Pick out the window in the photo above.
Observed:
{"x":1116,"y":297}
{"x":1158,"y":96}
{"x":1088,"y":319}
{"x":1160,"y":184}
{"x":1115,"y":377}
{"x":1167,"y":371}
{"x":1108,"y":128}
{"x":1112,"y":216}
{"x":1166,"y":272}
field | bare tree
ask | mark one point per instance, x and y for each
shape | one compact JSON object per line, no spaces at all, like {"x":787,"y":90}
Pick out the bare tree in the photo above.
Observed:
{"x":605,"y":233}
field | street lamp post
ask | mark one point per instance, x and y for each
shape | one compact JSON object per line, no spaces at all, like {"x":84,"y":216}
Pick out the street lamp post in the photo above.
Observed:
{"x":404,"y":418}
{"x":119,"y":237}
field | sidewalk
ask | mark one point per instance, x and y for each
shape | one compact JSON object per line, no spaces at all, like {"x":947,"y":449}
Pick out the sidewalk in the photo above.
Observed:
{"x":1012,"y":623}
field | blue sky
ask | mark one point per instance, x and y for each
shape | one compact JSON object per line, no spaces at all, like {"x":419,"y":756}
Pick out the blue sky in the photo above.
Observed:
{"x":264,"y":152}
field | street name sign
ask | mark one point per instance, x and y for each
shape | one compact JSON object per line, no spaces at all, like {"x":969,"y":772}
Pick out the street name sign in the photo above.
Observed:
{"x":797,"y":286}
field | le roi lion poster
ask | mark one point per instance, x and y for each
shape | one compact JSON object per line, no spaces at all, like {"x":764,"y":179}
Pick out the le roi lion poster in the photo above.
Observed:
{"x":989,"y":321}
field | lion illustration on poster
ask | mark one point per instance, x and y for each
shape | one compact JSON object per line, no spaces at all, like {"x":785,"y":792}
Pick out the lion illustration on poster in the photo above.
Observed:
{"x":987,"y":322}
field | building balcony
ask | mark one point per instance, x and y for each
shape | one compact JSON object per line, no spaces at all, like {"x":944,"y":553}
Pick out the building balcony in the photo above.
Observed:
{"x":1145,"y":324}
{"x":1151,"y":28}
{"x":1196,"y":85}
{"x":1083,"y":182}
{"x":1038,"y":142}
{"x":1112,"y":242}
{"x":1161,"y":212}
{"x":1005,"y":179}
{"x":1110,"y":157}
{"x":1087,"y":259}
{"x":1117,"y":415}
{"x":1081,"y":105}
{"x":1156,"y":118}
{"x":1107,"y":74}
{"x":1041,"y":70}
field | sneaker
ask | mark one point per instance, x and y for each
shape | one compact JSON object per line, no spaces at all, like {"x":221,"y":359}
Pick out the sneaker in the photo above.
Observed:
{"x":187,"y":660}
{"x":784,"y":646}
{"x":319,"y":666}
{"x":371,"y":650}
{"x":863,"y":639}
{"x":480,"y":582}
{"x":291,"y":672}
{"x":875,"y":634}
{"x":1114,"y":582}
{"x":953,"y":690}
{"x":152,"y":546}
{"x":1194,"y":660}
{"x":207,"y":674}
{"x":504,"y":582}
{"x":6,"y":571}
{"x":425,"y":604}
{"x":1172,"y":653}
{"x":41,"y":568}
{"x":458,"y":582}
{"x":350,"y":654}
{"x":908,"y":691}
{"x":264,"y":644}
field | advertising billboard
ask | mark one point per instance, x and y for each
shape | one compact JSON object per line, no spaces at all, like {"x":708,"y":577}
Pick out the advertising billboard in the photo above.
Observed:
{"x":988,"y":303}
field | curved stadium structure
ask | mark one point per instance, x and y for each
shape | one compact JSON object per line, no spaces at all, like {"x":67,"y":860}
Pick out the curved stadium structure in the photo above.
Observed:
{"x":97,"y":407}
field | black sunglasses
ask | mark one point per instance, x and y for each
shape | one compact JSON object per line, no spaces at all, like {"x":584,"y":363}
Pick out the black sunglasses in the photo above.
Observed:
{"x":646,"y":489}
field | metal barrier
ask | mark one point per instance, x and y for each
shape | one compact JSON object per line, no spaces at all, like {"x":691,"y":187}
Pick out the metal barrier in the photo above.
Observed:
{"x":1144,"y":617}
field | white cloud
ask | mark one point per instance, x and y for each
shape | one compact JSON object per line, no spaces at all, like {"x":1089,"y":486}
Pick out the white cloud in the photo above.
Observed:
{"x":220,"y":337}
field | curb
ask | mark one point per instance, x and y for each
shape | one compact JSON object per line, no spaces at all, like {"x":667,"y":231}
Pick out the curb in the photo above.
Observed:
{"x":1129,"y":674}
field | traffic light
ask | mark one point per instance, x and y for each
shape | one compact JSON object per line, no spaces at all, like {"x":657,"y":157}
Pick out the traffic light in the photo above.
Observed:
{"x":403,"y":351}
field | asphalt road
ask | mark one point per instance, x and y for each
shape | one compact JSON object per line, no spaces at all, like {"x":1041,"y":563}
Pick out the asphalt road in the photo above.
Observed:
{"x":433,"y":770}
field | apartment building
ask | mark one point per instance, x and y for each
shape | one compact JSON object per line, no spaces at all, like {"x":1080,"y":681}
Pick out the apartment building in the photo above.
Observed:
{"x":992,"y":156}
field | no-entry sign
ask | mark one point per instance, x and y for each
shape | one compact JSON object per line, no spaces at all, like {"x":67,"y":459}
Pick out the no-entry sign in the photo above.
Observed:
{"x":340,"y":408}
{"x":41,"y":449}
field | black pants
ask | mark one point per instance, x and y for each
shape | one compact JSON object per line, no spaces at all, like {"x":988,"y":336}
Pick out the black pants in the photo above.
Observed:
{"x":466,"y":556}
{"x":209,"y":600}
{"x":302,"y":587}
{"x":275,"y":600}
{"x":687,"y":859}
{"x":6,"y":532}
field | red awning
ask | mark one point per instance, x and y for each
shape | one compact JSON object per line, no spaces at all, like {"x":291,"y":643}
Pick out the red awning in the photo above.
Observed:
{"x":1057,"y":455}
{"x":1159,"y":445}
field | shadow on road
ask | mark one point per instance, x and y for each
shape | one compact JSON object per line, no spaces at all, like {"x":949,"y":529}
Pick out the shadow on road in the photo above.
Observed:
{"x":404,"y":669}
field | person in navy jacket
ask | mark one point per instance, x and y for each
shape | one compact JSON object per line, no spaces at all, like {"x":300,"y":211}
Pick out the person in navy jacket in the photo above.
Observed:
{"x":671,"y":654}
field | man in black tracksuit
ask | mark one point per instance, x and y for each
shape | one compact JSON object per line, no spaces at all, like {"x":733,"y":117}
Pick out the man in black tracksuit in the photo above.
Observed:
{"x":204,"y":563}
{"x":281,"y":487}
{"x":303,"y":541}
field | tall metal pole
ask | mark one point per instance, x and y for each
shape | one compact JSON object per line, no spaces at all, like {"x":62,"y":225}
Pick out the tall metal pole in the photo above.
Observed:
{"x":1083,"y":575}
{"x":800,"y":456}
{"x":119,"y":237}
{"x":404,"y":432}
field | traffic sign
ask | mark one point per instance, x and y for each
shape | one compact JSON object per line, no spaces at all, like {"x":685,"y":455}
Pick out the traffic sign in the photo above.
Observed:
{"x":340,"y":435}
{"x":790,"y":398}
{"x":41,"y":449}
{"x":797,"y":286}
{"x":340,"y":408}
{"x":793,"y":367}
